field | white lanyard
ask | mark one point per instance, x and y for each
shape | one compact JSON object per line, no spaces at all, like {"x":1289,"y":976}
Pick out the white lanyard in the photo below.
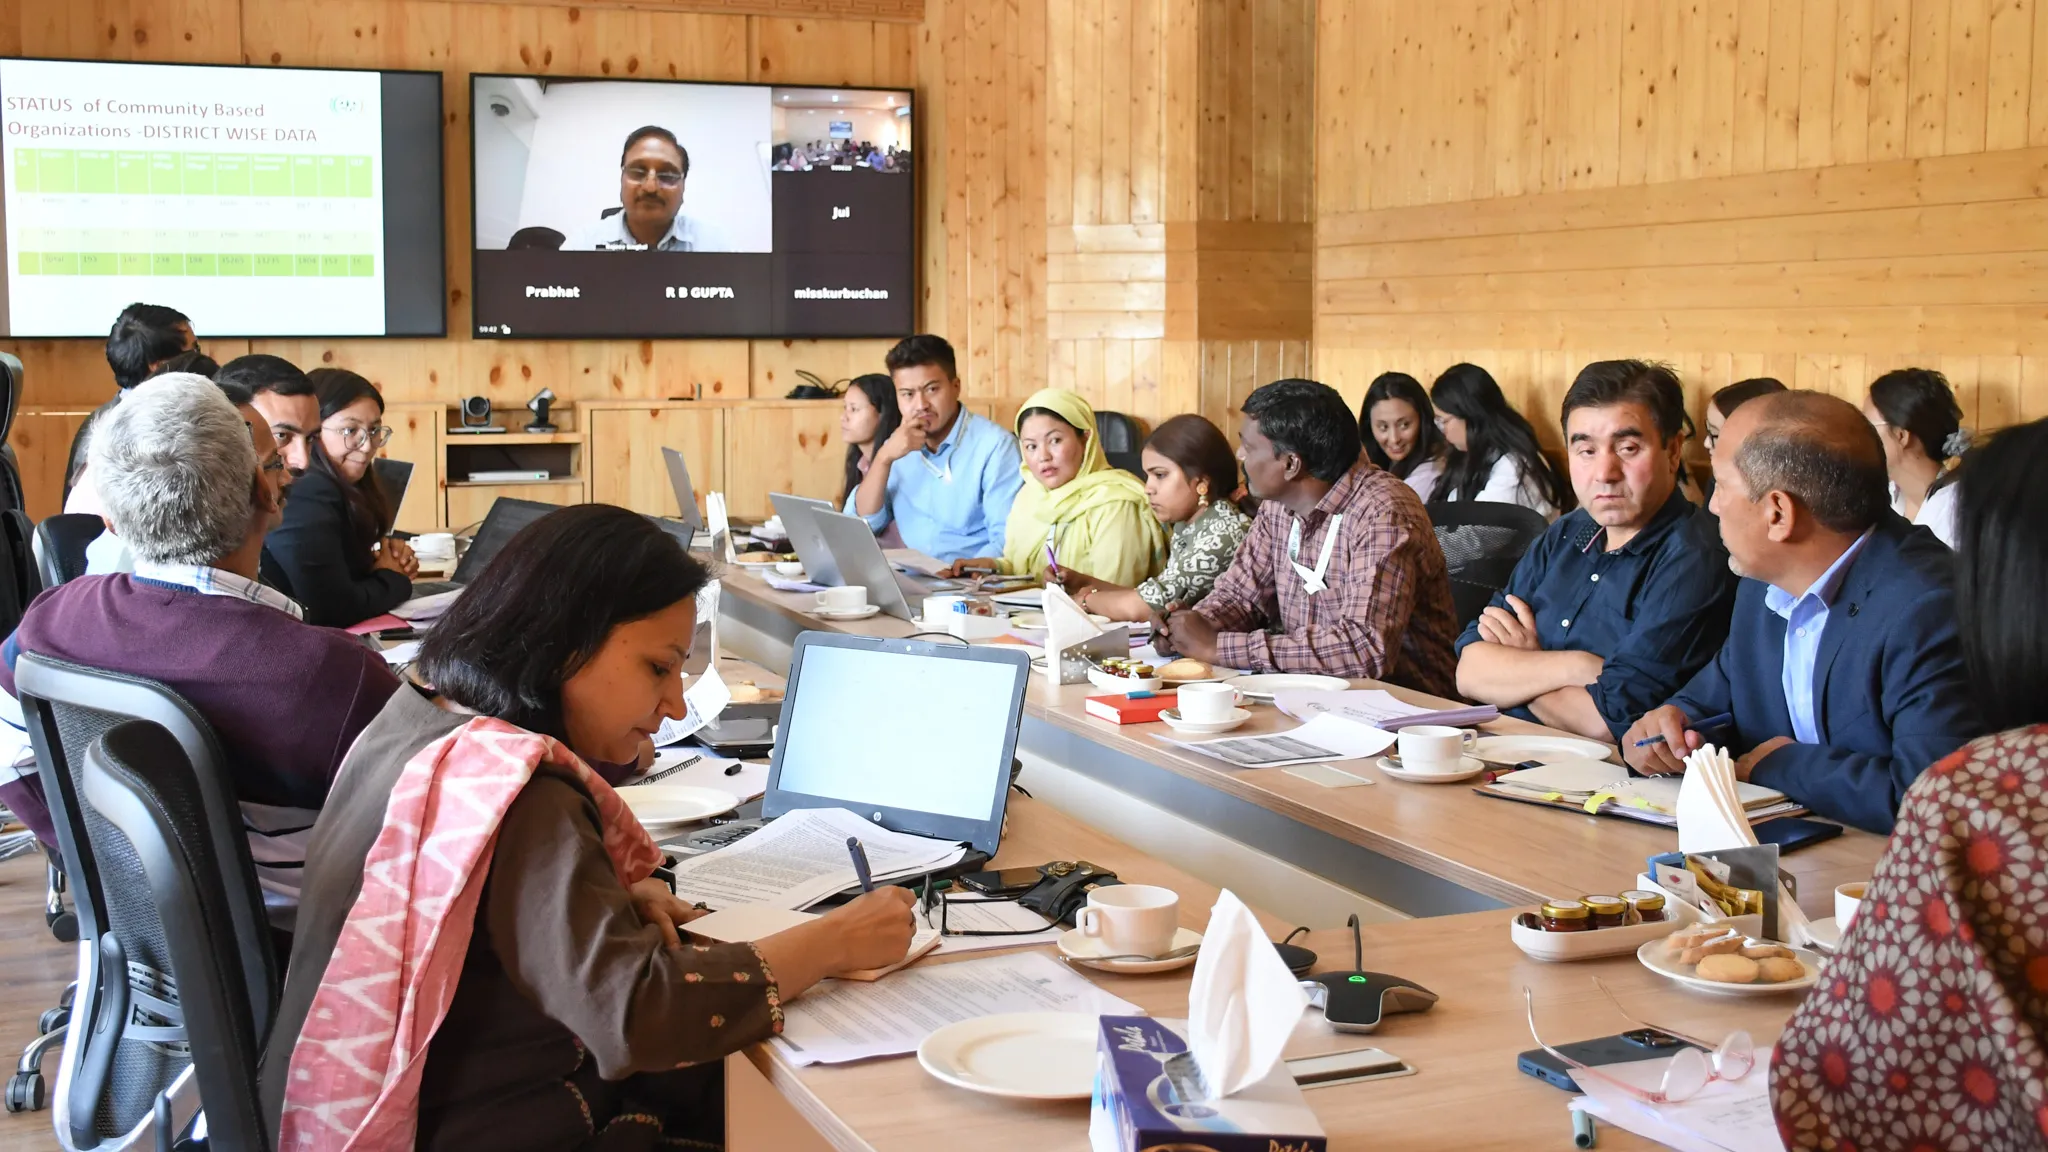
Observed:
{"x":945,"y":474}
{"x":1313,"y":580}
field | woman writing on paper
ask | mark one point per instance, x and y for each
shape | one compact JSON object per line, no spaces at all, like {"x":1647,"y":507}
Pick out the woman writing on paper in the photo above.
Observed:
{"x":1494,"y":454}
{"x":522,"y":930}
{"x":1929,"y":1027}
{"x":334,"y":553}
{"x":1190,"y":472}
{"x":1074,"y":511}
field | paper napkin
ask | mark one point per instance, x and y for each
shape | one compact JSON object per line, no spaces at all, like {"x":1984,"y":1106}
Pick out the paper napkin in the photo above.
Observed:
{"x":1243,"y":1004}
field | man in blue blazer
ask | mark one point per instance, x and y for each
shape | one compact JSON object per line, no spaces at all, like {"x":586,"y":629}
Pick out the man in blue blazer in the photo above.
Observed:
{"x":1842,"y":670}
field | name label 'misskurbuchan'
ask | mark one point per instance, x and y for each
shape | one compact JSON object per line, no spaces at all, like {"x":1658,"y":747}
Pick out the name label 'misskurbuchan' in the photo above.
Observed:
{"x":552,"y":291}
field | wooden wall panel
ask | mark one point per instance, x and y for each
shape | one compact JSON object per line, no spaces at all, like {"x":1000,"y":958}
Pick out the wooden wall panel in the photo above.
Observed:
{"x":1820,"y":190}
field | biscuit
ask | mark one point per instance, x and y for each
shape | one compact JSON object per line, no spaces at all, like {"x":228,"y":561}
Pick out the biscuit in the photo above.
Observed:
{"x":1779,"y":969}
{"x":1721,"y":946}
{"x":1685,"y":938}
{"x":756,"y":558}
{"x":1186,"y":669}
{"x":1729,"y":968}
{"x":1766,"y":951}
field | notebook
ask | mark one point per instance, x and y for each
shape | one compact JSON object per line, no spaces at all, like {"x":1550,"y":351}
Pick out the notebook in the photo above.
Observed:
{"x":1576,"y":782}
{"x":750,"y":922}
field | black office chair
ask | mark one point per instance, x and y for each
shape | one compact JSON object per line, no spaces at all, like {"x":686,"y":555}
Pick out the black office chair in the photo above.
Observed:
{"x":155,"y":820}
{"x":1123,"y":441}
{"x":1482,"y":540}
{"x":19,"y":581}
{"x":11,"y":494}
{"x":124,"y":1082}
{"x":61,"y":541}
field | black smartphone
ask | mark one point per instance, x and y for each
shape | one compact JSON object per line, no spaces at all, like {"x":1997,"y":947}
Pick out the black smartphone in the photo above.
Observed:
{"x":1791,"y":833}
{"x":1003,"y":882}
{"x":1626,"y":1048}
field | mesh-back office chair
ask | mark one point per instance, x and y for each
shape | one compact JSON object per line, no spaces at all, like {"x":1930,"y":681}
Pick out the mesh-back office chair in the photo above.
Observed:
{"x":1122,"y":441}
{"x":1482,"y":540}
{"x":119,"y":1074}
{"x":11,"y":494}
{"x":61,"y":541}
{"x":157,"y":823}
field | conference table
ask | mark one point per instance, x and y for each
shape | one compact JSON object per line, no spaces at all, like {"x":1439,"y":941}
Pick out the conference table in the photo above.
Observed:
{"x":1417,"y":849}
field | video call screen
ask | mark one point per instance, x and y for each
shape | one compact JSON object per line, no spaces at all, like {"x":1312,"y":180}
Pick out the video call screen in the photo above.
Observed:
{"x":654,"y":208}
{"x":258,"y":201}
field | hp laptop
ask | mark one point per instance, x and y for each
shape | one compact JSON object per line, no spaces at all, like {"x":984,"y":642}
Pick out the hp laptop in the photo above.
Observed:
{"x":686,"y":497}
{"x":946,"y":776}
{"x":506,"y":517}
{"x":394,"y":476}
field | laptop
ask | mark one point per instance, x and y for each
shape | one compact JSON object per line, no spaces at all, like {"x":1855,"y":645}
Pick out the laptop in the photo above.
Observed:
{"x":394,"y":476}
{"x":686,"y":497}
{"x":946,"y":776}
{"x":798,"y":515}
{"x":860,"y":561}
{"x":506,"y":517}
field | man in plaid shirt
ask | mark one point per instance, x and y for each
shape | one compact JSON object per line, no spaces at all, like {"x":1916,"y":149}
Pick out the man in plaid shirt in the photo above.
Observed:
{"x":1341,"y":574}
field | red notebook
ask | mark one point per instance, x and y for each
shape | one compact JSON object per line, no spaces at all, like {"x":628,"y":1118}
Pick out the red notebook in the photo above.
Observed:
{"x":1131,"y":709}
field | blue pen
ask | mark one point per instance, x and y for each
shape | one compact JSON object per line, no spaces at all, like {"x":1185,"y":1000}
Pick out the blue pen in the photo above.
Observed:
{"x":860,"y":863}
{"x":1720,"y":720}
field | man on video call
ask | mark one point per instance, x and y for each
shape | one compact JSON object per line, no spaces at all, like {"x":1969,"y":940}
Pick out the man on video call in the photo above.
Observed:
{"x":652,"y":170}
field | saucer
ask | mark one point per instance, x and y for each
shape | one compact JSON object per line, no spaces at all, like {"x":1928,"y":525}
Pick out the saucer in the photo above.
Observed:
{"x":1236,"y":718}
{"x":1468,"y":767}
{"x":1827,"y":934}
{"x":1078,"y":948}
{"x":843,"y":614}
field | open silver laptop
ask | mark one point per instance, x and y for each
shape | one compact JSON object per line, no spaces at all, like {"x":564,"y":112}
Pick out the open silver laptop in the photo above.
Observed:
{"x":798,"y":515}
{"x":860,"y":561}
{"x":686,"y":496}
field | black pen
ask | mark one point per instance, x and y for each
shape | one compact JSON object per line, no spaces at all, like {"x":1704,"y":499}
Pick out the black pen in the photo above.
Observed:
{"x":733,"y":769}
{"x":860,"y":863}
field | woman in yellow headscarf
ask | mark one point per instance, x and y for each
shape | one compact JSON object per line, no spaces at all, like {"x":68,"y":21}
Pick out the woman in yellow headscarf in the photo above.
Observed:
{"x":1074,"y":507}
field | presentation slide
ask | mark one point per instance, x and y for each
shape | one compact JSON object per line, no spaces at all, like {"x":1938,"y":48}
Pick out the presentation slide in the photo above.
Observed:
{"x":650,"y":208}
{"x":259,"y":201}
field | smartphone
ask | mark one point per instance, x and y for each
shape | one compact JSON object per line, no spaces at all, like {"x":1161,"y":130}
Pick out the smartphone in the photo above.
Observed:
{"x":1626,"y":1048}
{"x":1791,"y":833}
{"x":1347,"y":1067}
{"x":1003,"y":882}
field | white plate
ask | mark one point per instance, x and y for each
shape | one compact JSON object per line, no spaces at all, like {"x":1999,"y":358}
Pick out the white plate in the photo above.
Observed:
{"x":675,"y":803}
{"x":1124,"y":685}
{"x":1827,"y":934}
{"x":1657,"y":960}
{"x":1515,"y":749}
{"x":1468,"y":767}
{"x":1025,"y":1055}
{"x":838,"y":614}
{"x":759,"y":565}
{"x":1234,"y":719}
{"x":1262,"y":687}
{"x":1084,"y":950}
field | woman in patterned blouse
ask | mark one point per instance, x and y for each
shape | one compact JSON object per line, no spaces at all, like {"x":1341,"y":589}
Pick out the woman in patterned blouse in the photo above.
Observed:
{"x":1190,"y":474}
{"x":1930,"y":1028}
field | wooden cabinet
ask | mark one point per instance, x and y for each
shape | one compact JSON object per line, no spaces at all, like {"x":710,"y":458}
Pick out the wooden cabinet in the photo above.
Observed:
{"x":416,"y":432}
{"x":792,"y":447}
{"x":624,"y":459}
{"x":469,"y":503}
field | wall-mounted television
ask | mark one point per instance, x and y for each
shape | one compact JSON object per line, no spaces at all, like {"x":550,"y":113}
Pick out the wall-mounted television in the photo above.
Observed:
{"x":655,"y":208}
{"x":258,"y":201}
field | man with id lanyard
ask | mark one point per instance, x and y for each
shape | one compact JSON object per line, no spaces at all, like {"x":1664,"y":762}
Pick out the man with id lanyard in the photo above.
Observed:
{"x":1341,"y":573}
{"x":947,"y":477}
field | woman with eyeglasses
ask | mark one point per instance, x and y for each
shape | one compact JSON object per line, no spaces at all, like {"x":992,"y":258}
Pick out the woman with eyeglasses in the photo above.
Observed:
{"x":334,"y":553}
{"x":1494,"y":454}
{"x":1928,"y":1028}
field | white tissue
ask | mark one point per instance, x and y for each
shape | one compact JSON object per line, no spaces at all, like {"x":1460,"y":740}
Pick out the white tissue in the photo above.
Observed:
{"x":1066,"y":624}
{"x":1244,"y":1003}
{"x":1711,"y":817}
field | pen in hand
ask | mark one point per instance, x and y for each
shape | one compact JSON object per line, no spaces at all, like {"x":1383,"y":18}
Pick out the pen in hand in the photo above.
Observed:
{"x":1719,"y":720}
{"x":860,"y":863}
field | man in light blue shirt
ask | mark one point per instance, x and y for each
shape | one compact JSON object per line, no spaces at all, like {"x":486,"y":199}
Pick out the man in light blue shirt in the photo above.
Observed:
{"x":1806,"y":618}
{"x":947,"y":477}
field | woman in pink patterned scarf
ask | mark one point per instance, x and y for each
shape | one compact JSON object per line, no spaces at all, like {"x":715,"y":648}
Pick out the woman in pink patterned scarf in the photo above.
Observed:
{"x":484,"y":958}
{"x":1930,"y":1029}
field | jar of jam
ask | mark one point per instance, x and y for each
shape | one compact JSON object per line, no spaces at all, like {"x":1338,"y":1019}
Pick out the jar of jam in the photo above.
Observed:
{"x":1647,"y":906}
{"x":1607,"y":911}
{"x":1566,"y":916}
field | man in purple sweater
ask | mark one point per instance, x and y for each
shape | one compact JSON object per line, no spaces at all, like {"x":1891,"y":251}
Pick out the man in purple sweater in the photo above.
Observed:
{"x":192,"y":482}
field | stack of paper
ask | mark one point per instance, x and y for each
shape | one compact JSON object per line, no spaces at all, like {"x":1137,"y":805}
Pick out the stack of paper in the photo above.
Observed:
{"x":420,"y":609}
{"x":838,"y":1022}
{"x":1323,"y":738}
{"x":800,"y":858}
{"x":1607,"y":789}
{"x":1377,"y":707}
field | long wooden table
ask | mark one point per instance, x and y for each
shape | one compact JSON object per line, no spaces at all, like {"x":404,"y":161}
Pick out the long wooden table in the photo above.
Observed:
{"x":1421,"y":849}
{"x":1466,"y":1094}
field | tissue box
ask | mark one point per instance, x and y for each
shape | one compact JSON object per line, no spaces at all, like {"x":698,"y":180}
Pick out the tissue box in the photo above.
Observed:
{"x":1143,"y":1099}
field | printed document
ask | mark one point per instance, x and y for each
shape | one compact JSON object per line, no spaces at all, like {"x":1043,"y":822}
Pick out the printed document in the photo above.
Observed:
{"x":800,"y":858}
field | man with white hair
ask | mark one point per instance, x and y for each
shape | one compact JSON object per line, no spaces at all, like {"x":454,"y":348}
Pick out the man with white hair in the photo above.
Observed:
{"x":192,"y":482}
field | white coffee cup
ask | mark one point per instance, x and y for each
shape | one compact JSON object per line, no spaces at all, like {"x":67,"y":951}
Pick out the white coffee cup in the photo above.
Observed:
{"x":434,"y":545}
{"x":1848,"y":898}
{"x":851,"y":598}
{"x":1434,"y":747}
{"x":1131,"y":919}
{"x":1207,"y":703}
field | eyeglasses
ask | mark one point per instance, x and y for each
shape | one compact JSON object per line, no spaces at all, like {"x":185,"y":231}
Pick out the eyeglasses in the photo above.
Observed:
{"x":930,"y":896}
{"x":357,"y":436}
{"x":666,"y":177}
{"x":1690,"y":1070}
